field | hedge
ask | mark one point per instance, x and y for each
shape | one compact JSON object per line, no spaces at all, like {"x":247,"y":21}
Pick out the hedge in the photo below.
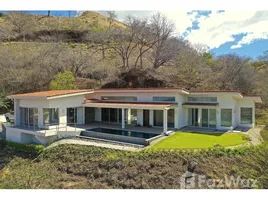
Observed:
{"x":26,"y":148}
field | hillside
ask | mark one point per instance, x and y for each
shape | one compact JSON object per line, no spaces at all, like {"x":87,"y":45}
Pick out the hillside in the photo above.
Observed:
{"x":43,"y":28}
{"x":87,"y":167}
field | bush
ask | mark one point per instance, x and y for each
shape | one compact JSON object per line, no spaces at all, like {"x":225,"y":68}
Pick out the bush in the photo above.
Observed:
{"x":26,"y":148}
{"x":264,"y":134}
{"x":246,"y":137}
{"x":3,"y":143}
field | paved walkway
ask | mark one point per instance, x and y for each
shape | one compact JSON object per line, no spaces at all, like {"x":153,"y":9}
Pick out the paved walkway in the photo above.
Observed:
{"x":95,"y":143}
{"x":255,"y":136}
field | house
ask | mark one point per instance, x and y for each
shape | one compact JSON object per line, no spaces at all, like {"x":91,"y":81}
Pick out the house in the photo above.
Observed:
{"x":42,"y":116}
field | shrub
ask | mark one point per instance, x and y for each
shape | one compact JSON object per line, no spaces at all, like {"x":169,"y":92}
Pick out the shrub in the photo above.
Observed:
{"x":246,"y":137}
{"x":264,"y":134}
{"x":3,"y":143}
{"x":26,"y":148}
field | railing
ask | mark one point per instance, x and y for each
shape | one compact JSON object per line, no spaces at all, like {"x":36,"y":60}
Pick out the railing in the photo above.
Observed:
{"x":46,"y":128}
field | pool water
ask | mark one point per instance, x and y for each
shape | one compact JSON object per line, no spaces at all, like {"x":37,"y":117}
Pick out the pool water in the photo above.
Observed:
{"x":124,"y":132}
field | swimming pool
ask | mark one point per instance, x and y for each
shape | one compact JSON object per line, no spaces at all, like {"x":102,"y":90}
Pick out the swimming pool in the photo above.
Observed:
{"x":124,"y":132}
{"x":119,"y":135}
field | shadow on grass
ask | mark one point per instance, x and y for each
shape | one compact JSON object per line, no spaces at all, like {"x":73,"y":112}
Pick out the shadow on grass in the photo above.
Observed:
{"x":201,"y":133}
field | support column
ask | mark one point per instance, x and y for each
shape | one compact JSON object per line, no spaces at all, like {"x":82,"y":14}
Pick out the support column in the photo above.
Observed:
{"x":151,"y":117}
{"x":253,"y":116}
{"x":128,"y":116}
{"x":165,"y":117}
{"x":17,"y":112}
{"x":199,"y":116}
{"x":123,"y":118}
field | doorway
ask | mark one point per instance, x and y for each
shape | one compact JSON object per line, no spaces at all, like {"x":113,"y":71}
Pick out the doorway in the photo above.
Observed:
{"x":71,"y":115}
{"x":193,"y":117}
{"x":146,"y":117}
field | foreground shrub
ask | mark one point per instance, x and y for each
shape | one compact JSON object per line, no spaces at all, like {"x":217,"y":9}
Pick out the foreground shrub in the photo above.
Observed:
{"x":3,"y":143}
{"x":26,"y":148}
{"x":264,"y":134}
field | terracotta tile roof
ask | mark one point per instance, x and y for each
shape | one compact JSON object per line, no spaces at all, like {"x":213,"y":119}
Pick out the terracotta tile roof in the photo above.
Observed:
{"x":120,"y":104}
{"x":200,"y":104}
{"x":141,"y":89}
{"x":208,"y":91}
{"x":50,"y":93}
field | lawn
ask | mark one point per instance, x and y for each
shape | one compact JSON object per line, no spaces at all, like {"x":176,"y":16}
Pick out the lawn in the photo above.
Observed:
{"x":186,"y":140}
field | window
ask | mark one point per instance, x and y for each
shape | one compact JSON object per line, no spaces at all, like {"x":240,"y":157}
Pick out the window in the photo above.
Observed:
{"x":226,"y":117}
{"x":158,"y":118}
{"x":202,"y":99}
{"x":28,"y":116}
{"x":246,"y":116}
{"x":51,"y":116}
{"x":163,"y":98}
{"x":119,"y":98}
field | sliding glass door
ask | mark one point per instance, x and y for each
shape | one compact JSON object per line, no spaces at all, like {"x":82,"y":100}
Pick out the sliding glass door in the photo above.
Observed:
{"x":212,"y":118}
{"x":209,"y":118}
{"x":113,"y":115}
{"x":71,"y":116}
{"x":204,"y":117}
{"x":28,"y":117}
{"x":193,"y":117}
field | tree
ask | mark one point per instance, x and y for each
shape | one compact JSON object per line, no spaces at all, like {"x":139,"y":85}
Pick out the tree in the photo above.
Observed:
{"x":20,"y":23}
{"x":63,"y":81}
{"x":4,"y":103}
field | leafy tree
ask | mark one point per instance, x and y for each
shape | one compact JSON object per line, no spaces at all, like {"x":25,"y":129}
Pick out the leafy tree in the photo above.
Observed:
{"x":4,"y":103}
{"x":63,"y":81}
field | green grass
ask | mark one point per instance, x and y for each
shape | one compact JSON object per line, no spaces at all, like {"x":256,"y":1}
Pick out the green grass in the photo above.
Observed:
{"x":184,"y":140}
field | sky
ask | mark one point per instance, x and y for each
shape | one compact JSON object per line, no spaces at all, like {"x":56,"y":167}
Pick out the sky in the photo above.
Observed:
{"x":242,"y":32}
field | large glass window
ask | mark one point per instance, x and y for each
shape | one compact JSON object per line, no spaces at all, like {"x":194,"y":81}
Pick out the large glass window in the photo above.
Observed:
{"x":105,"y":112}
{"x":158,"y":117}
{"x":71,"y":115}
{"x":246,"y":116}
{"x":226,"y":117}
{"x":133,"y":117}
{"x":171,"y":115}
{"x":202,"y":99}
{"x":119,"y":98}
{"x":113,"y":115}
{"x":163,"y":98}
{"x":51,"y":116}
{"x":212,"y":118}
{"x":204,"y":117}
{"x":28,"y":116}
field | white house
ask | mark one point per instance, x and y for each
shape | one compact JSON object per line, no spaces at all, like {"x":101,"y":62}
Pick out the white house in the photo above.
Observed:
{"x":168,"y":108}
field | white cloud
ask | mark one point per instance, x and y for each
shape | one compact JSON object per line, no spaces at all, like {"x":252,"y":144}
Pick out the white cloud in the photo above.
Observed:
{"x":219,"y":28}
{"x":216,"y":28}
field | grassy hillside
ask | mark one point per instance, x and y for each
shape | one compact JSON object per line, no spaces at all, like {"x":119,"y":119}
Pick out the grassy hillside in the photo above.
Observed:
{"x":70,"y":166}
{"x":82,"y":22}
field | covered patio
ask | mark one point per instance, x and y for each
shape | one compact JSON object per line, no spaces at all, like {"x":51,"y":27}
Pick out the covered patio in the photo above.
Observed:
{"x":145,"y":111}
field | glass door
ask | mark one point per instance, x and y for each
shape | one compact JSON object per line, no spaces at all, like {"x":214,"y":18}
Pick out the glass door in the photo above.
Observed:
{"x":212,"y":118}
{"x":71,"y":115}
{"x":193,"y":116}
{"x":204,"y":117}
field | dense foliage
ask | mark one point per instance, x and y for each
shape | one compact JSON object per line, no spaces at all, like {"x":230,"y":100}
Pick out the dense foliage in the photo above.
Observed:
{"x":70,"y":166}
{"x":32,"y":149}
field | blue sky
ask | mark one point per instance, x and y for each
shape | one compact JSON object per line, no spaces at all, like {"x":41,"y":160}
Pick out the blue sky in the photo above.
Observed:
{"x":241,"y":32}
